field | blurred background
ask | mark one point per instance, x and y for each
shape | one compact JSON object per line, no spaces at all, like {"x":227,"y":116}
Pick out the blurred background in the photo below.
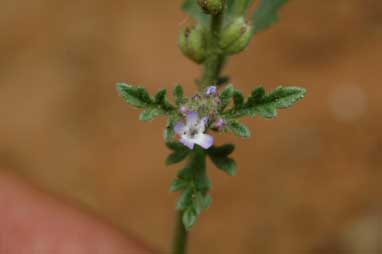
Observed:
{"x":308,"y":181}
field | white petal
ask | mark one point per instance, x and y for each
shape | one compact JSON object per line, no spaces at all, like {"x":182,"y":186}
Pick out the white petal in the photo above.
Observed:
{"x":187,"y":142}
{"x":204,"y":140}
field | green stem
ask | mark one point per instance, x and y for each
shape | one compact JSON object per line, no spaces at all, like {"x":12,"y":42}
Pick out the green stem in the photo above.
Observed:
{"x":180,"y":237}
{"x":215,"y":58}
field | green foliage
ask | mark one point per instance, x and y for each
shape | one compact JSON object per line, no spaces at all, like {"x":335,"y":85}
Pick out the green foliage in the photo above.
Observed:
{"x":194,"y":185}
{"x":237,"y":128}
{"x":139,"y":97}
{"x":180,"y":152}
{"x":219,"y":156}
{"x":192,"y":8}
{"x":178,"y":94}
{"x":281,"y":97}
{"x":266,"y":14}
{"x":225,"y":96}
{"x":238,"y":99}
{"x":265,"y":105}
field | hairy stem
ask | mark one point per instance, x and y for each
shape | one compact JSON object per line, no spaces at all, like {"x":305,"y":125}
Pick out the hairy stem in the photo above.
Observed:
{"x":215,"y":58}
{"x":180,"y":236}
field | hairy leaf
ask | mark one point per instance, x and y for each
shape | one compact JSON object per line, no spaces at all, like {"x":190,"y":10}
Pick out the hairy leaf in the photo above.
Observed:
{"x":238,"y":129}
{"x":225,"y":96}
{"x":281,"y":97}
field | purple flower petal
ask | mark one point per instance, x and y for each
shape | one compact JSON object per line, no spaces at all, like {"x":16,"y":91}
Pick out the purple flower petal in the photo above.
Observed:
{"x":179,"y":128}
{"x":211,"y":90}
{"x":187,"y":142}
{"x":204,"y":140}
{"x":192,"y":118}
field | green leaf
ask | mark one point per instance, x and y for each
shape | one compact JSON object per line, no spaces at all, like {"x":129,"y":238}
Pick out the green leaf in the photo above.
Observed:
{"x":169,"y":130}
{"x":225,"y":96}
{"x":266,"y":14}
{"x":281,"y":97}
{"x":189,"y":218}
{"x":135,"y":96}
{"x":238,"y":129}
{"x":192,"y":8}
{"x":178,"y":184}
{"x":184,"y":200}
{"x":226,"y":164}
{"x":162,"y":102}
{"x":204,"y":200}
{"x":177,"y":156}
{"x":178,"y":94}
{"x":150,"y":113}
{"x":238,"y":99}
{"x":223,"y":150}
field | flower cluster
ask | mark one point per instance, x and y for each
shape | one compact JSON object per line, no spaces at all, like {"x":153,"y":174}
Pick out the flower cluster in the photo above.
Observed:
{"x":200,"y":113}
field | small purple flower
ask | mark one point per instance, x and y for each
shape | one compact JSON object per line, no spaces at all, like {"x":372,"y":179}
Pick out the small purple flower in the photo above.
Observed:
{"x":193,"y":131}
{"x":219,"y":123}
{"x":183,"y":110}
{"x":211,"y":90}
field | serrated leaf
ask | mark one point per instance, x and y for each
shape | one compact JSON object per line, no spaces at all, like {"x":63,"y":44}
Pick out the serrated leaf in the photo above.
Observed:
{"x":226,"y":164}
{"x":178,"y":94}
{"x":177,"y":156}
{"x":223,"y":150}
{"x":185,"y":199}
{"x":204,"y":200}
{"x":169,"y":133}
{"x":178,"y":184}
{"x":135,"y":96}
{"x":238,"y":129}
{"x":281,"y":97}
{"x":238,"y":99}
{"x":192,"y":8}
{"x":149,"y":113}
{"x":266,"y":14}
{"x":225,"y":96}
{"x":189,"y":218}
{"x":160,"y":96}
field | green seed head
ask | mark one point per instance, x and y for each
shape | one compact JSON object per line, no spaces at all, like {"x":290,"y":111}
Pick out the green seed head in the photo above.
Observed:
{"x":212,"y":7}
{"x":231,"y":32}
{"x":192,"y":43}
{"x":242,"y":42}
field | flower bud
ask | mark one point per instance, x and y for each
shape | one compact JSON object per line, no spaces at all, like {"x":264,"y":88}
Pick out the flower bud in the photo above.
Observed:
{"x":212,"y":7}
{"x":192,"y":43}
{"x":232,"y":32}
{"x":242,"y":42}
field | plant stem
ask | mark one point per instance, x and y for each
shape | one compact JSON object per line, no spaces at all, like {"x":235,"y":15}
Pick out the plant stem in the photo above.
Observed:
{"x":180,"y":237}
{"x":215,"y":58}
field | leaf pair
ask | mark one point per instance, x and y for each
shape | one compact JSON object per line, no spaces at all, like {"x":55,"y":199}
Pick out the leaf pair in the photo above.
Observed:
{"x":139,"y":97}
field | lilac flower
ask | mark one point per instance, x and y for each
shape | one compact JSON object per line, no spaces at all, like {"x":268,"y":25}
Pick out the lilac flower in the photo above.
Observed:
{"x":219,"y":123}
{"x":211,"y":90}
{"x":193,"y":131}
{"x":183,"y":110}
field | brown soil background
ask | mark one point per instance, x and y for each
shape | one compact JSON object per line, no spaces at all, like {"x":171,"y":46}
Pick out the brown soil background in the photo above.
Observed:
{"x":304,"y":180}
